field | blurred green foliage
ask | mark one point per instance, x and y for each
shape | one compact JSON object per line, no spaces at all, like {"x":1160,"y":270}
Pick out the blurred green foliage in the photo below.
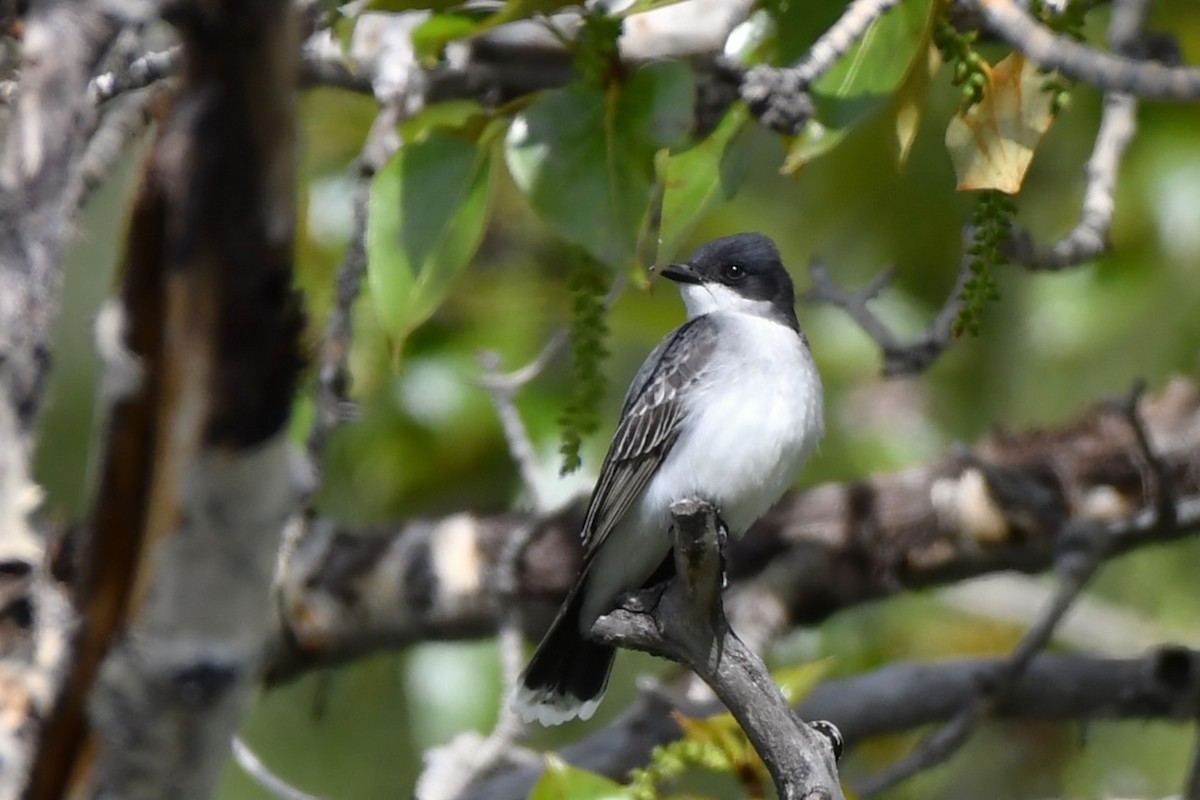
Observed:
{"x":428,"y":441}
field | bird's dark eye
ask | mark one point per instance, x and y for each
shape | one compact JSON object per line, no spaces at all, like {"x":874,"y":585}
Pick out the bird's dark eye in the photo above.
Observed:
{"x":733,"y":272}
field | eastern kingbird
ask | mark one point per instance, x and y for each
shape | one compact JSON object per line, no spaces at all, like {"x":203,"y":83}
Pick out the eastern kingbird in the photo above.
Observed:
{"x":727,"y":408}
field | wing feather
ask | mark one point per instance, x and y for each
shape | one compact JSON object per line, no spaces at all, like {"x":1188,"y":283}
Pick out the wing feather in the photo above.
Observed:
{"x":650,"y":418}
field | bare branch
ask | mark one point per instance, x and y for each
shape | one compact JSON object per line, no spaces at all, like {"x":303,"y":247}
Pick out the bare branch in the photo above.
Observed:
{"x":143,"y":71}
{"x":1118,"y":124}
{"x":127,"y":118}
{"x":332,"y":396}
{"x":1083,"y":552}
{"x":899,"y":358}
{"x":1106,"y":71}
{"x":685,"y":622}
{"x":1063,"y":687}
{"x":1089,"y":238}
{"x":836,"y":42}
{"x":520,"y":447}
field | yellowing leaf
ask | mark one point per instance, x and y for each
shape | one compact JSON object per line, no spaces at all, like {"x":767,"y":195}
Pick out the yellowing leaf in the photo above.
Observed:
{"x":992,"y":144}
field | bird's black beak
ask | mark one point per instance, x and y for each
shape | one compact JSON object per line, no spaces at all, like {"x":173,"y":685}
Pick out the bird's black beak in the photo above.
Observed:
{"x":681,"y":273}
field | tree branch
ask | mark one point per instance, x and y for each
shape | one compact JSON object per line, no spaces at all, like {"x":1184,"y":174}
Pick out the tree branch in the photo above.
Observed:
{"x":995,"y":507}
{"x":779,"y":97}
{"x":1109,"y":72}
{"x":1082,"y":553}
{"x":198,"y":476}
{"x":899,"y":358}
{"x":43,"y":137}
{"x":900,"y":697}
{"x":684,"y":621}
{"x":1118,"y":124}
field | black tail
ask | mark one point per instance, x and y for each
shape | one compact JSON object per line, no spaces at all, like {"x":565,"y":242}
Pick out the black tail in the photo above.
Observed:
{"x":567,"y":675}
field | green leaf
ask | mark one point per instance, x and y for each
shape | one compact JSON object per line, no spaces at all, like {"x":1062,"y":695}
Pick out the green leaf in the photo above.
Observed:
{"x":702,"y":177}
{"x":427,"y":212}
{"x":561,"y":781}
{"x":864,"y":80}
{"x":584,"y":156}
{"x":432,"y":35}
{"x":464,"y":116}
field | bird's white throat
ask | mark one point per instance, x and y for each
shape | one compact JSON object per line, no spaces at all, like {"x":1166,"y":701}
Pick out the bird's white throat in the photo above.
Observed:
{"x":705,"y":298}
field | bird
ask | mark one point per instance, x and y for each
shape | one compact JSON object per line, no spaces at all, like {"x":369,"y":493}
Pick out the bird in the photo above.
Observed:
{"x":727,"y":409}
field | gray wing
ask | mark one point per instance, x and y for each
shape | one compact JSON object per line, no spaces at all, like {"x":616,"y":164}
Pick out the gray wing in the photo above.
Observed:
{"x":649,"y":424}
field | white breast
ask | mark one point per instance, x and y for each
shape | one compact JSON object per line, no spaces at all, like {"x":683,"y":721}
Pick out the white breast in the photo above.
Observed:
{"x":752,"y":423}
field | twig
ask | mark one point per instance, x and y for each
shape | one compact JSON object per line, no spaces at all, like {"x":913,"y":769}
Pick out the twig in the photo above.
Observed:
{"x":858,"y":18}
{"x":899,"y":358}
{"x":127,"y":118}
{"x":141,"y":72}
{"x":331,"y":397}
{"x":447,"y":776}
{"x":684,"y":621}
{"x":779,"y":97}
{"x":1109,"y":72}
{"x":1083,"y":550}
{"x":520,"y":447}
{"x":263,"y":776}
{"x":1159,"y":485}
{"x":464,"y":761}
{"x":825,"y":290}
{"x":1089,"y":238}
{"x":1118,"y":124}
{"x":511,"y":381}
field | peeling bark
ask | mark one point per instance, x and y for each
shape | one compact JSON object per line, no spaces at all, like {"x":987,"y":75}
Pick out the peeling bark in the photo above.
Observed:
{"x":998,"y":505}
{"x":198,"y":478}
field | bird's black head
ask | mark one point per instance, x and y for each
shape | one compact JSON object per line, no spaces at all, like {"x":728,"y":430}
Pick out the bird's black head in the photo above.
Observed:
{"x":740,"y":272}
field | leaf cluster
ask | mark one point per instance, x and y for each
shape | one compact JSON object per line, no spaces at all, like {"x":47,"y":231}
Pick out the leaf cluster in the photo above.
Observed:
{"x":588,"y":284}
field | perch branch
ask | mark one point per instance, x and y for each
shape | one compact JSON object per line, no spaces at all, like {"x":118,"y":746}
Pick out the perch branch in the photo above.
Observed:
{"x":685,"y":622}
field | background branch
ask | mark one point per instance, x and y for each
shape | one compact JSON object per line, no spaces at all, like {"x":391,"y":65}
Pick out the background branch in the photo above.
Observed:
{"x":995,"y":507}
{"x":43,"y":137}
{"x":196,"y":480}
{"x":1164,"y":684}
{"x":899,"y":358}
{"x":1109,"y":72}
